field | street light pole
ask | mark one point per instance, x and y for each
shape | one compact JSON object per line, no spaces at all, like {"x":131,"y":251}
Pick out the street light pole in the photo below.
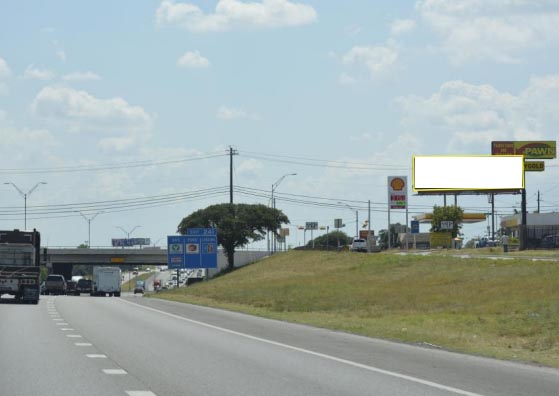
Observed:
{"x":128,"y":232}
{"x":89,"y":220}
{"x":356,"y":218}
{"x":274,"y":186}
{"x":25,"y":195}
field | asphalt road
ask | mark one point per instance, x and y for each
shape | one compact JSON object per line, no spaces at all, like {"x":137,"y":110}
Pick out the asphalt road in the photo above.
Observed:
{"x":137,"y":346}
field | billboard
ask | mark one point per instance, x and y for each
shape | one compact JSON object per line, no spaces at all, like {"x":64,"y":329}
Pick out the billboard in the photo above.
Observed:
{"x":529,"y":149}
{"x":440,"y":174}
{"x":117,"y":242}
{"x":397,"y":192}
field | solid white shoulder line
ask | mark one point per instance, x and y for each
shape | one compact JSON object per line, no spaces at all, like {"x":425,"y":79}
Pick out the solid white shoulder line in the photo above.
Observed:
{"x":309,"y":352}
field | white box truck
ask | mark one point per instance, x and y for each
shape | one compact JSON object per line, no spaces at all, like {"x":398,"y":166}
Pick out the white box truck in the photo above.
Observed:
{"x":106,"y":281}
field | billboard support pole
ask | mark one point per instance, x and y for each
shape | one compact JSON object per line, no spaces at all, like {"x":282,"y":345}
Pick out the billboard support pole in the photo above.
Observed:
{"x":523,"y":230}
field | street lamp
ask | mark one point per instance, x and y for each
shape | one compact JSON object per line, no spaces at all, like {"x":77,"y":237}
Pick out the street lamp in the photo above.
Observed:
{"x":89,"y":220}
{"x":356,"y":218}
{"x":274,"y":186}
{"x":128,"y":232}
{"x":25,"y":195}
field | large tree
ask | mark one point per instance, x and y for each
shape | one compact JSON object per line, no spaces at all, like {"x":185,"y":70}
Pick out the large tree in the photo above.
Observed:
{"x":447,"y":213}
{"x":237,"y":224}
{"x":331,"y":239}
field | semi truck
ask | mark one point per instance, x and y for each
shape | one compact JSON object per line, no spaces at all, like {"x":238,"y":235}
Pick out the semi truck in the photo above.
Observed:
{"x":20,"y":261}
{"x":106,"y":281}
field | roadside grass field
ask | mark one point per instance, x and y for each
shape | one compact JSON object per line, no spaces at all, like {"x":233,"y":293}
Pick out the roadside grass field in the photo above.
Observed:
{"x":507,"y":309}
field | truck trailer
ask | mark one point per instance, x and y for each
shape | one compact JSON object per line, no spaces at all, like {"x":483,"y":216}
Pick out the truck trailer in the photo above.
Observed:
{"x":106,"y":281}
{"x":20,"y":260}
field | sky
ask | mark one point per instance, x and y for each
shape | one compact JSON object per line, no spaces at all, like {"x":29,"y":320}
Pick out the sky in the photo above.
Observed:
{"x":127,"y":110}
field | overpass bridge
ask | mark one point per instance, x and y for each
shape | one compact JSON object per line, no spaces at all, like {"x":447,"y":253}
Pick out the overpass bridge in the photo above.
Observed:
{"x":62,"y":260}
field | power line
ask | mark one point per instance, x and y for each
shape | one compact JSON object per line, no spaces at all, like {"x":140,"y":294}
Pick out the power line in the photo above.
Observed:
{"x":111,"y":166}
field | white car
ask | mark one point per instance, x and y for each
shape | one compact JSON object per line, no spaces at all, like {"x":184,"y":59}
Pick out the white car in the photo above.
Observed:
{"x":358,"y":245}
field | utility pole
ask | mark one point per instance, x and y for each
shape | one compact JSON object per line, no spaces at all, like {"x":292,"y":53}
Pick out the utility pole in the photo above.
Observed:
{"x":538,"y":201}
{"x":232,"y":152}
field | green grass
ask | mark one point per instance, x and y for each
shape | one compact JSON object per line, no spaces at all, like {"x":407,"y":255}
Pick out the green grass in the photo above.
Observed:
{"x":507,"y":309}
{"x":129,"y":285}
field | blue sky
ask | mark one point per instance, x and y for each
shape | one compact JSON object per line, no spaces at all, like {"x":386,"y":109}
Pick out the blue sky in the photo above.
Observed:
{"x":95,"y":95}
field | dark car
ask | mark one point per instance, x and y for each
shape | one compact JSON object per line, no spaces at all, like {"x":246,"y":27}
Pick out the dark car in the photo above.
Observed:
{"x":71,"y":287}
{"x":83,"y":286}
{"x":550,"y":242}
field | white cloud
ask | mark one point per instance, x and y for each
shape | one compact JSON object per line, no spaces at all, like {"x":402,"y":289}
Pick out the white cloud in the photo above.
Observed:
{"x":465,"y":118}
{"x":250,"y":167}
{"x":81,"y":76}
{"x":5,"y":71}
{"x":193,"y":59}
{"x":81,"y":111}
{"x":60,"y":53}
{"x":34,"y":73}
{"x":230,"y":14}
{"x":346,"y":79}
{"x":402,"y":26}
{"x":228,"y":113}
{"x":378,"y":60}
{"x":497,"y":30}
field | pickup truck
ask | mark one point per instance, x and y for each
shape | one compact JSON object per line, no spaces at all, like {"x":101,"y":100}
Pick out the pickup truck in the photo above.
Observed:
{"x":358,"y":245}
{"x":55,"y":284}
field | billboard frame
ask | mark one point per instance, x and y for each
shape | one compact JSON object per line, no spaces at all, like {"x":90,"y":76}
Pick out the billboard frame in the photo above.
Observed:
{"x":473,"y":190}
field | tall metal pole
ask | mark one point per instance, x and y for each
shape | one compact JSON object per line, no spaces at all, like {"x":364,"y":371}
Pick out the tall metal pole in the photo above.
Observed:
{"x":25,"y":195}
{"x":356,"y":223}
{"x":273,"y":203}
{"x":25,"y":211}
{"x":230,"y":174}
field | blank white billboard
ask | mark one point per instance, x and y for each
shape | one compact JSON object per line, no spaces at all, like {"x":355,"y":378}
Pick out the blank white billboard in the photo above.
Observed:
{"x":467,"y":173}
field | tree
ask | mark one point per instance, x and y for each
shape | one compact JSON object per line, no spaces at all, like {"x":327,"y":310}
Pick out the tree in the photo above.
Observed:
{"x":447,"y":213}
{"x":237,"y":224}
{"x":331,"y":239}
{"x":394,"y":241}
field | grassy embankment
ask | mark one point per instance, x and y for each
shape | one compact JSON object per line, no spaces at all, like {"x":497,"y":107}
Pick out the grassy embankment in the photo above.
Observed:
{"x":507,"y":309}
{"x":131,"y":284}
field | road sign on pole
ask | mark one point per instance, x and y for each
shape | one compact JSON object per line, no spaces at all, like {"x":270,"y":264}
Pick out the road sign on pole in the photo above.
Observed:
{"x":197,"y":249}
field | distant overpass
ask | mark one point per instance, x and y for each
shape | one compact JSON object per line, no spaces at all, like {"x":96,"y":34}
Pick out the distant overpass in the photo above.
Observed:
{"x":62,"y":260}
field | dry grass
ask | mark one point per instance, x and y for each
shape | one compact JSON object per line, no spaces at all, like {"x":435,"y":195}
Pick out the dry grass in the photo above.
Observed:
{"x":506,"y":309}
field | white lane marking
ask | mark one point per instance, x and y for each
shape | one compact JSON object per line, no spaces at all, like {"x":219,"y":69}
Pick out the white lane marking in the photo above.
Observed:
{"x":57,"y":319}
{"x":62,"y":324}
{"x":95,"y":356}
{"x":140,"y":393}
{"x":73,"y":336}
{"x":67,"y":329}
{"x":317,"y":354}
{"x":82,"y":344}
{"x":114,"y":371}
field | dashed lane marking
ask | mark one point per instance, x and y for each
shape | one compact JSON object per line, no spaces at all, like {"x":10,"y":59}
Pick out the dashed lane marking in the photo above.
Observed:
{"x":114,"y":371}
{"x":83,"y":344}
{"x":73,"y":336}
{"x":67,"y":329}
{"x":140,"y":393}
{"x":96,"y":356}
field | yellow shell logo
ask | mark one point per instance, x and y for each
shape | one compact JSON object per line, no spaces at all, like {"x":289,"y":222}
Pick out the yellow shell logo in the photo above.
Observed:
{"x":397,"y":184}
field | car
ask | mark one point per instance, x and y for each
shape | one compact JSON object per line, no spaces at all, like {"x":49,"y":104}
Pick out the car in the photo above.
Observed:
{"x":55,"y":284}
{"x":358,"y":245}
{"x":140,"y":287}
{"x":550,"y":242}
{"x":83,"y":286}
{"x":148,"y":269}
{"x":71,"y":287}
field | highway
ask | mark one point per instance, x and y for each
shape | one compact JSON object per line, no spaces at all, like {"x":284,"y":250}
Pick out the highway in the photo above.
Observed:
{"x":136,"y":346}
